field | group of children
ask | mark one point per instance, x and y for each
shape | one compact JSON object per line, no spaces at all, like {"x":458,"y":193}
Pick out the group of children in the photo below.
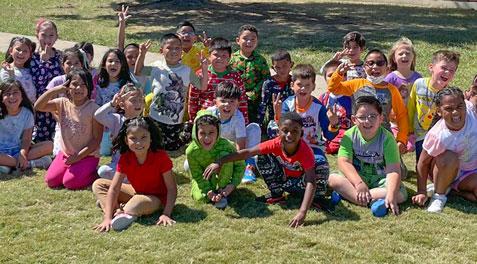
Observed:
{"x":236,"y":121}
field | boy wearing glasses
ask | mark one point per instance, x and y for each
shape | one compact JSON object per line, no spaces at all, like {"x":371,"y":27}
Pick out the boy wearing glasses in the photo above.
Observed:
{"x":369,"y":162}
{"x":192,"y":51}
{"x":388,"y":95}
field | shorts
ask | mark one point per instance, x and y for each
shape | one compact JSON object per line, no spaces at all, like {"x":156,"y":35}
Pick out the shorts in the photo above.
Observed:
{"x":461,"y":176}
{"x":382,"y":183}
{"x":12,"y":152}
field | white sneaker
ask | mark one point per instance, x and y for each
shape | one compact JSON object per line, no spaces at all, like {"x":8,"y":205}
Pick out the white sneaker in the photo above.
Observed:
{"x":41,"y":163}
{"x":122,"y":221}
{"x":430,"y":190}
{"x":437,"y":203}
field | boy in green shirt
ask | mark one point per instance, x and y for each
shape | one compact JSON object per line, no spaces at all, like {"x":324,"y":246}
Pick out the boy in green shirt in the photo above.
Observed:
{"x":368,"y":159}
{"x":252,"y":66}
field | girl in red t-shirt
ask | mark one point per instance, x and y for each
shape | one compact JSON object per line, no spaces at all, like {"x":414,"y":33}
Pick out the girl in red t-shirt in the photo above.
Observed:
{"x":148,"y":168}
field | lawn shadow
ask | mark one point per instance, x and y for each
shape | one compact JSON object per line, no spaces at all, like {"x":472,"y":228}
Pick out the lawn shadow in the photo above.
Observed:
{"x":459,"y":203}
{"x":317,"y":26}
{"x":15,"y":175}
{"x":340,"y":212}
{"x":242,"y":201}
{"x":181,"y":177}
{"x":181,"y":214}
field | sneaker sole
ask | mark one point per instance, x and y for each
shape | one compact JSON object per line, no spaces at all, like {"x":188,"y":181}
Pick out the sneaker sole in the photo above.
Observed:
{"x":122,"y":223}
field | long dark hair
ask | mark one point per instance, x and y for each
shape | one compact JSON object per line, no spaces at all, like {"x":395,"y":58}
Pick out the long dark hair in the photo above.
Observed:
{"x":119,"y":143}
{"x":7,"y":85}
{"x":31,"y":45}
{"x":123,"y":77}
{"x":449,"y":91}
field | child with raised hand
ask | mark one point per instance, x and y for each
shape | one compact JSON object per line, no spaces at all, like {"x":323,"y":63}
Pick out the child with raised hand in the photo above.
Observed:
{"x":374,"y":84}
{"x":421,"y":106}
{"x":318,"y":121}
{"x":206,"y":147}
{"x":113,"y":74}
{"x":132,"y":51}
{"x":17,"y":58}
{"x":233,"y":125}
{"x":353,"y":45}
{"x":74,"y":167}
{"x":148,"y":168}
{"x":369,"y":161}
{"x":341,"y":103}
{"x":72,"y":58}
{"x":252,"y":66}
{"x":448,"y":156}
{"x":166,"y":104}
{"x":126,"y":104}
{"x":471,"y":93}
{"x":218,"y":72}
{"x":45,"y":65}
{"x":16,"y":127}
{"x":286,"y":164}
{"x":192,"y":50}
{"x":280,"y":83}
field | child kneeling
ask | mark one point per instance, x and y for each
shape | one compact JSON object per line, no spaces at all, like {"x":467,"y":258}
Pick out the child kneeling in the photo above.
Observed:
{"x":286,"y":163}
{"x":206,"y":147}
{"x":369,"y":161}
{"x":147,"y":167}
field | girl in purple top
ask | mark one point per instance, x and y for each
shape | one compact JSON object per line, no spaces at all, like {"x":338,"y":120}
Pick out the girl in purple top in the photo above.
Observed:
{"x":402,"y":65}
{"x":45,"y":64}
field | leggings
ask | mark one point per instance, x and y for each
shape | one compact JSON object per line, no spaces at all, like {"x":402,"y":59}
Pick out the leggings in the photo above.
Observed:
{"x":78,"y":175}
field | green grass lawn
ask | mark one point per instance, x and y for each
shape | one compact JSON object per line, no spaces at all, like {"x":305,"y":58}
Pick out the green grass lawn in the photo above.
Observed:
{"x":38,"y":224}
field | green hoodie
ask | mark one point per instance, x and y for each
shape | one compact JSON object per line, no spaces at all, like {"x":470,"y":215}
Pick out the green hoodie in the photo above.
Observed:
{"x":199,"y":159}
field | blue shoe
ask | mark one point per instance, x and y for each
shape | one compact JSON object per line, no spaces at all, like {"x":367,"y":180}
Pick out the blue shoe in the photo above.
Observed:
{"x":222,"y":203}
{"x":249,"y":176}
{"x":5,"y":170}
{"x":378,"y":208}
{"x":335,"y":198}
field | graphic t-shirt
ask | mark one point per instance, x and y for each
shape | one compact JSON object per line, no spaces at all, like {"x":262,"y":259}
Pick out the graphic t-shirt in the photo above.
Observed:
{"x":315,"y":121}
{"x":295,"y":165}
{"x":403,"y":84}
{"x":370,"y":157}
{"x":170,"y":86}
{"x":421,"y":107}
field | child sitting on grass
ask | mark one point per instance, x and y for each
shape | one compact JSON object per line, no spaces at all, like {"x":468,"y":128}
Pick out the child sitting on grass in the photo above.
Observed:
{"x":16,"y":127}
{"x":251,"y":65}
{"x":148,"y":168}
{"x":369,"y":161}
{"x":232,"y":124}
{"x":449,"y":154}
{"x":206,"y":147}
{"x":286,"y":164}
